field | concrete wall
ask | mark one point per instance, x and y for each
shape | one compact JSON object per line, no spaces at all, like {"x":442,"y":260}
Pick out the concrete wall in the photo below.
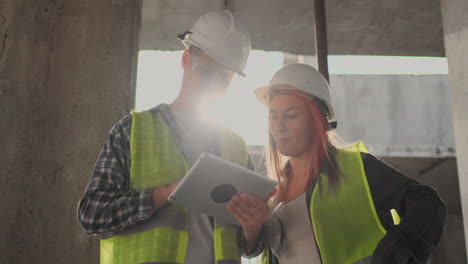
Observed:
{"x":395,"y":115}
{"x":66,"y":75}
{"x":455,"y":21}
{"x":372,"y":27}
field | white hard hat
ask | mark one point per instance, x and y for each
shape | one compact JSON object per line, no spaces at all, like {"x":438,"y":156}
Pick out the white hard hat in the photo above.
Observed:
{"x":298,"y":77}
{"x":221,"y":39}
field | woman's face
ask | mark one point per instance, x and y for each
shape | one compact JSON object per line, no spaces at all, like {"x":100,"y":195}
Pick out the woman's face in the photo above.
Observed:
{"x":290,"y":124}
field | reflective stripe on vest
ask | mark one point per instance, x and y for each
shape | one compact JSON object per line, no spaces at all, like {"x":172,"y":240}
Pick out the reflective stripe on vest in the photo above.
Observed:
{"x":226,"y":244}
{"x":345,"y":222}
{"x":171,"y":216}
{"x":156,"y":160}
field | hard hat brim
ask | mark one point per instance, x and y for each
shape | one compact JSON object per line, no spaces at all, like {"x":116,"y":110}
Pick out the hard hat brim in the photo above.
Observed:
{"x":262,"y":92}
{"x":188,"y":42}
{"x":262,"y":95}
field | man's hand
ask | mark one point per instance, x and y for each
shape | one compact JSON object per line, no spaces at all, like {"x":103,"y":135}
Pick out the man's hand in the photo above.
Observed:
{"x":161,"y":193}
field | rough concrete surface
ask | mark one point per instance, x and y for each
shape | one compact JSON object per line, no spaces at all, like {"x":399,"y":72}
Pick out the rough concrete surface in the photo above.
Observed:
{"x":364,"y":27}
{"x":65,"y":78}
{"x":455,"y":22}
{"x":395,"y":115}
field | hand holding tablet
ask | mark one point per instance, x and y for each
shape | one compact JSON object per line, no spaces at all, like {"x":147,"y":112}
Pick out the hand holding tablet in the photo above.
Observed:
{"x":211,"y":183}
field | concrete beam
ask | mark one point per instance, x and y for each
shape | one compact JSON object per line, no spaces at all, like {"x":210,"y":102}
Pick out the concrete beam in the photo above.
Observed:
{"x":66,"y":76}
{"x":368,"y":27}
{"x":455,"y":21}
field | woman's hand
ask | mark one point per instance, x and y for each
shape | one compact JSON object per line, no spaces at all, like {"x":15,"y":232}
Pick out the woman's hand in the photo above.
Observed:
{"x":251,"y":212}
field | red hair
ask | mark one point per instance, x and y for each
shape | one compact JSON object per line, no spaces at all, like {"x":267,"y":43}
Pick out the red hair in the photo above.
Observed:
{"x":321,"y":154}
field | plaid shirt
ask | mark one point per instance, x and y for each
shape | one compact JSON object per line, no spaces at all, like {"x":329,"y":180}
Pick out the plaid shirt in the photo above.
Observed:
{"x":108,"y":203}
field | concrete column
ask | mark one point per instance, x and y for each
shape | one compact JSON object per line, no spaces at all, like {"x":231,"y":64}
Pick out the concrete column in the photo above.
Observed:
{"x":66,"y":76}
{"x":455,"y":24}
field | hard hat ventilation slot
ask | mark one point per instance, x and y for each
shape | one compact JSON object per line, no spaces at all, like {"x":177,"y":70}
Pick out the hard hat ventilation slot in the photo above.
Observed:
{"x":333,"y":125}
{"x":183,"y":36}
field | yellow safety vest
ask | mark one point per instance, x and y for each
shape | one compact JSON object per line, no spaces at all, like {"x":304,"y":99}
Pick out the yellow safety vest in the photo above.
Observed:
{"x":157,"y":160}
{"x":346,"y":226}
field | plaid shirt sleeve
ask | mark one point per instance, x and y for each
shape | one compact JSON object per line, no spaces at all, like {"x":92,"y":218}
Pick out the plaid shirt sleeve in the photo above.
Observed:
{"x":108,"y":203}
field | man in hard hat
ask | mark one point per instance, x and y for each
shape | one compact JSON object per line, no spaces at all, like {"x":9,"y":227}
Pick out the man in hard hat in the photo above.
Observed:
{"x":148,"y":152}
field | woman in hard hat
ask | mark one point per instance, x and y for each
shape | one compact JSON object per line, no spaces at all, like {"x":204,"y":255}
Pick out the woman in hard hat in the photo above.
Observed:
{"x":333,"y":205}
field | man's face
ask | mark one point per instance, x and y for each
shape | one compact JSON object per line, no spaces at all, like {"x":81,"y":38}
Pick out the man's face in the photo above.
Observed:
{"x":214,"y":77}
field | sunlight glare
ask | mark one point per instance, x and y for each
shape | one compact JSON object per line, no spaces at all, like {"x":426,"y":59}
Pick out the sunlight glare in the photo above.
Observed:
{"x":159,"y":79}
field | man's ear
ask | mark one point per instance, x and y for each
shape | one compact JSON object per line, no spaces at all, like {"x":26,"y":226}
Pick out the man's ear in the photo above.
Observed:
{"x":186,"y":59}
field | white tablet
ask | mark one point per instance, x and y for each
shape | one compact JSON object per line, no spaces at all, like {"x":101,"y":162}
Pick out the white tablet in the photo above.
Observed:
{"x":211,"y":182}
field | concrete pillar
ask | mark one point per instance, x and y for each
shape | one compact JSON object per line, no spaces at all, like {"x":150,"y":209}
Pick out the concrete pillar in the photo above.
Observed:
{"x":455,"y":24}
{"x":66,"y":76}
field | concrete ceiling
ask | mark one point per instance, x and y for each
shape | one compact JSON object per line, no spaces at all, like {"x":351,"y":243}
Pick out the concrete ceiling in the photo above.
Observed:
{"x":358,"y":27}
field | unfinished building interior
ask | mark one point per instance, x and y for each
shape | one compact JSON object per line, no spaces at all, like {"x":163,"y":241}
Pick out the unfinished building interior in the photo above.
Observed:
{"x":68,"y":73}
